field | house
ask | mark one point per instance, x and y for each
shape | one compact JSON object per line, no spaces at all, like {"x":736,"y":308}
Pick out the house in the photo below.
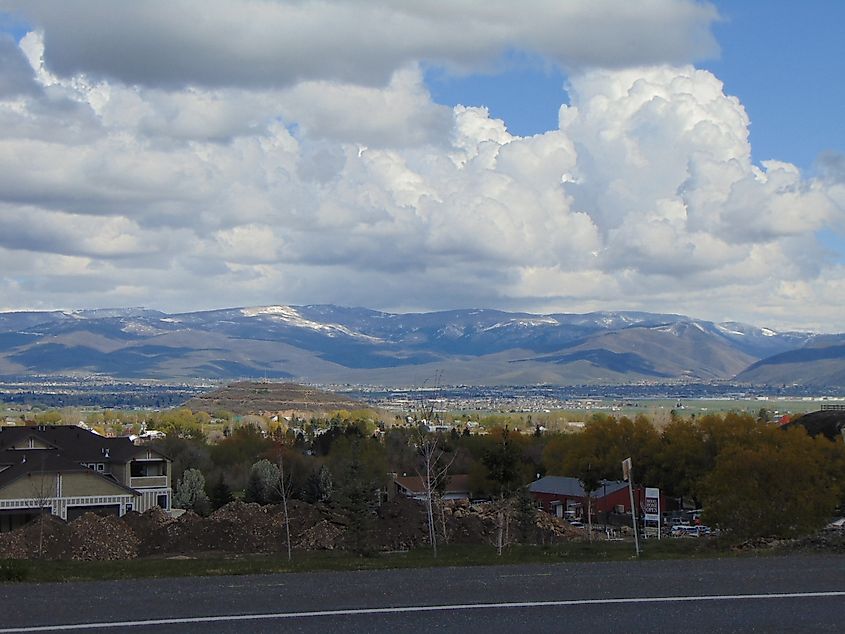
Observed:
{"x":457,"y":487}
{"x":70,"y":471}
{"x":565,"y":497}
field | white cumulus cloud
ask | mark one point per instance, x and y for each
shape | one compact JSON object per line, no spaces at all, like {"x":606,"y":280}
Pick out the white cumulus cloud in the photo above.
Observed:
{"x":190,"y":155}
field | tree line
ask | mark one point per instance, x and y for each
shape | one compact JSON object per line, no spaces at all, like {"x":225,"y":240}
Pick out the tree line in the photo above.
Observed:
{"x":750,"y":477}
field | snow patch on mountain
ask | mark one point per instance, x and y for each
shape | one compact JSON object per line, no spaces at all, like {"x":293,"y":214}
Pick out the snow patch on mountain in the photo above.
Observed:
{"x":533,"y":322}
{"x":137,"y":328}
{"x":291,"y":316}
{"x":728,"y":330}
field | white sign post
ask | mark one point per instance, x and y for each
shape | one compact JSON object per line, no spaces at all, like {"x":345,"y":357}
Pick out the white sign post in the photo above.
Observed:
{"x":651,"y":508}
{"x":627,"y":474}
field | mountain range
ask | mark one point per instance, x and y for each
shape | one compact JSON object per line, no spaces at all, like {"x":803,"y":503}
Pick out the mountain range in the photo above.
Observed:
{"x":332,"y":344}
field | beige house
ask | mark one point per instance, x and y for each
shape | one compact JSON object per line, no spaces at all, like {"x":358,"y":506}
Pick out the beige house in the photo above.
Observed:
{"x":70,"y":471}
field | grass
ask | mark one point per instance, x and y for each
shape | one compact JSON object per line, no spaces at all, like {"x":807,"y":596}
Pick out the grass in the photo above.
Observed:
{"x":450,"y":555}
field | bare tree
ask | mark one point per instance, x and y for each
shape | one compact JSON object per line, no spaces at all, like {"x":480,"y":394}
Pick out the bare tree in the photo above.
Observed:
{"x":433,"y":473}
{"x":284,"y":488}
{"x":41,"y":493}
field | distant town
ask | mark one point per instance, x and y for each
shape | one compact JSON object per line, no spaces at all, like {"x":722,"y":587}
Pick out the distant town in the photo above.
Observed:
{"x":104,"y":392}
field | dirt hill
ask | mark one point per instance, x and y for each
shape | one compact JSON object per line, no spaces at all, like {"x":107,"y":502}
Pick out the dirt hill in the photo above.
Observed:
{"x":251,"y":397}
{"x":240,"y":528}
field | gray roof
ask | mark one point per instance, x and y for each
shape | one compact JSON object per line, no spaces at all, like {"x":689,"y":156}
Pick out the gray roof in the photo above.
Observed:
{"x":75,"y":443}
{"x":17,"y":463}
{"x":571,"y":487}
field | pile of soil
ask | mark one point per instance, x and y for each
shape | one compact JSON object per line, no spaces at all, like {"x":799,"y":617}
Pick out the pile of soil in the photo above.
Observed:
{"x":102,"y":537}
{"x":46,"y":538}
{"x":241,"y":528}
{"x":400,"y":525}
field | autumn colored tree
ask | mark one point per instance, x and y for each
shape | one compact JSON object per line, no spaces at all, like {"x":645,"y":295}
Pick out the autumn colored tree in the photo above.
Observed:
{"x":778,"y":486}
{"x":682,"y":460}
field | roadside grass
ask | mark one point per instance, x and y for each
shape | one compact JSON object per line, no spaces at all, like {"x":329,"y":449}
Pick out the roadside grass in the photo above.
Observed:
{"x":448,"y":555}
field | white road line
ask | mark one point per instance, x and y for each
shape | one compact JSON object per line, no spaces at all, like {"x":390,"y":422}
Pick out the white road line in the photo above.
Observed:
{"x":416,"y":608}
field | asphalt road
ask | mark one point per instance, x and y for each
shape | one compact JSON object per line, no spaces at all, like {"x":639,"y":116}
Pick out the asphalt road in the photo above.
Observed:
{"x":766,"y":594}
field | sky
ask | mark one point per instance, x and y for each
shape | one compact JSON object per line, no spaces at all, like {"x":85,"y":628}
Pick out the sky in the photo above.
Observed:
{"x":542,"y":156}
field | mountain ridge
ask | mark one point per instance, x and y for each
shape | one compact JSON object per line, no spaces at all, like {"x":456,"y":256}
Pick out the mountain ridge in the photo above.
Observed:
{"x":324,"y":342}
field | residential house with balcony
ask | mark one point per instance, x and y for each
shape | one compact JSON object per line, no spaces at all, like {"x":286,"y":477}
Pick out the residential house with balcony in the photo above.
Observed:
{"x":69,"y":471}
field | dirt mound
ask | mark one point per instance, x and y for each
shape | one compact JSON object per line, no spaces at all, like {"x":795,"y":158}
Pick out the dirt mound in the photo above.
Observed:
{"x":241,"y":528}
{"x":324,"y":535}
{"x":47,"y":540}
{"x":400,"y":525}
{"x":237,"y":527}
{"x":551,"y":529}
{"x":102,"y":537}
{"x":150,"y":528}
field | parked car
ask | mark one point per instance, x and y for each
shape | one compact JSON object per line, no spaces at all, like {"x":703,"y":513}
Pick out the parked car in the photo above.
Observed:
{"x":685,"y":530}
{"x":836,"y":525}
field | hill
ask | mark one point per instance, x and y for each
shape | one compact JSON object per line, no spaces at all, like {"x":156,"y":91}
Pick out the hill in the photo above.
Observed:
{"x":820,"y":363}
{"x":249,"y":397}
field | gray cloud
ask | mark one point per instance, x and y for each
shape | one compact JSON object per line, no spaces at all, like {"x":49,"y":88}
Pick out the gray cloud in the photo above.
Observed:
{"x":260,"y":43}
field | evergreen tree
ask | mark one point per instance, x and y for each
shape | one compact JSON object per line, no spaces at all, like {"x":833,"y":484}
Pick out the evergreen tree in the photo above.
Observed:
{"x":355,"y":498}
{"x":190,"y":492}
{"x":221,"y":494}
{"x":263,"y":482}
{"x":360,"y":469}
{"x":254,"y":491}
{"x":526,"y":515}
{"x":318,"y":486}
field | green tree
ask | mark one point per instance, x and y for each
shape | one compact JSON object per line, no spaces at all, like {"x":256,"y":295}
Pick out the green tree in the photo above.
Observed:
{"x":190,"y":492}
{"x":244,"y":445}
{"x":359,"y":467}
{"x":220,"y":494}
{"x":185,"y":453}
{"x":263,"y":482}
{"x":181,"y":422}
{"x":503,"y":464}
{"x":51,"y":417}
{"x":526,"y":515}
{"x":254,"y":489}
{"x":318,"y":486}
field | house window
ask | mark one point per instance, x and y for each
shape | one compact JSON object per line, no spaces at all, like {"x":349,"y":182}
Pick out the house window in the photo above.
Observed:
{"x":101,"y":467}
{"x":161,"y":500}
{"x":139,"y":469}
